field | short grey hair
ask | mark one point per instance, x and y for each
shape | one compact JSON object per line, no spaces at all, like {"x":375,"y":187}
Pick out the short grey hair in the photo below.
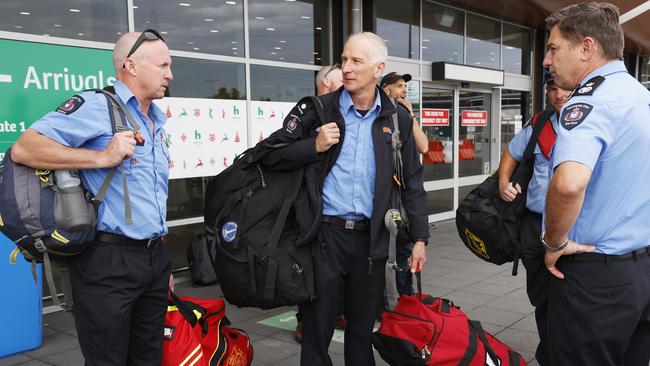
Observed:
{"x":597,"y":20}
{"x":375,"y":44}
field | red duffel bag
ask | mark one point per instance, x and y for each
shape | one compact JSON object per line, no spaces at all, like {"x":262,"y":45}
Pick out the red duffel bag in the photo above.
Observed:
{"x":197,"y":333}
{"x":423,"y":330}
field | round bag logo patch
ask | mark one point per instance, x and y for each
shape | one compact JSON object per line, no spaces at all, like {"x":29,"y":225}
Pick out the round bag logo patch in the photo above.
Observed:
{"x":229,"y":231}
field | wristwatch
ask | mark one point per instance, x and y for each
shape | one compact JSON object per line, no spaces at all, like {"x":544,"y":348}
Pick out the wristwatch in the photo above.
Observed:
{"x":550,"y":249}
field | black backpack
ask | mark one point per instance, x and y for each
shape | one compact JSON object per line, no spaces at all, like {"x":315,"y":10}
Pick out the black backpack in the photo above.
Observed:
{"x":249,"y":210}
{"x":30,"y":210}
{"x":489,"y":226}
{"x":199,"y":258}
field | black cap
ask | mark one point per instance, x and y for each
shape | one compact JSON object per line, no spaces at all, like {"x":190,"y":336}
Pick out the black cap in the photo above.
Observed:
{"x":548,"y":78}
{"x":393,"y":77}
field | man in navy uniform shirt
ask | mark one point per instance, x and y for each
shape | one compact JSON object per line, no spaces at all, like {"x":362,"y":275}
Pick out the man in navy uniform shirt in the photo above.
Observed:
{"x":120,"y":283}
{"x":599,"y":302}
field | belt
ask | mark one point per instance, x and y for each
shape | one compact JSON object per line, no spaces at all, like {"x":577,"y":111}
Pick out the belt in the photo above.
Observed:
{"x":123,"y":240}
{"x":600,"y":257}
{"x":361,"y":225}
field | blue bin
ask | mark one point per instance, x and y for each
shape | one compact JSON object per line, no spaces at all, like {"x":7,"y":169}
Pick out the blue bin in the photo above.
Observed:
{"x":22,"y":313}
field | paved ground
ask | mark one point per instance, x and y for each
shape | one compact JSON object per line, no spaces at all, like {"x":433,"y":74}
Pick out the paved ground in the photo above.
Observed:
{"x":486,"y":292}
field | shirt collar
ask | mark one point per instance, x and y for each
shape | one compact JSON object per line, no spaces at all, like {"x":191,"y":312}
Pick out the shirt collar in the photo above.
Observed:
{"x":607,"y":69}
{"x":126,"y":95}
{"x":345,"y":101}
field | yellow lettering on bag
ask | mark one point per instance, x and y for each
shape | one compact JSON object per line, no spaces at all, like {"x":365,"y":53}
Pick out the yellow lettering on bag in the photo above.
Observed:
{"x":59,"y":237}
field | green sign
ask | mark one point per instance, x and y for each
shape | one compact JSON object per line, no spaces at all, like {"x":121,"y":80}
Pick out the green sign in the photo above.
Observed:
{"x":35,"y":78}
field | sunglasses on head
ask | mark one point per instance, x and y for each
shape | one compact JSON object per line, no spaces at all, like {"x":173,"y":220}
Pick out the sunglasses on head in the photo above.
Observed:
{"x":146,"y":35}
{"x":334,"y":67}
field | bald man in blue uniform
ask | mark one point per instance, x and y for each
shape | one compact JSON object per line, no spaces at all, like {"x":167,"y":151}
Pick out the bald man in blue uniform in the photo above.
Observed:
{"x":599,"y":301}
{"x":119,"y":284}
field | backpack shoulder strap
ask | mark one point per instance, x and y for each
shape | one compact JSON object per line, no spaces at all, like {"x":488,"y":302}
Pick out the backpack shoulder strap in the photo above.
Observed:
{"x":524,"y":170}
{"x":119,"y":116}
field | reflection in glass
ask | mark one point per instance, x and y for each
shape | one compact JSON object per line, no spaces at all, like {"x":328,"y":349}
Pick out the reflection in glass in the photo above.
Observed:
{"x":289,"y":30}
{"x":272,"y":83}
{"x":194,"y":78}
{"x":177,"y":241}
{"x":440,"y":201}
{"x":398,"y":24}
{"x":644,"y":71}
{"x":442,"y":33}
{"x":483,"y":42}
{"x":186,"y":197}
{"x":438,"y":162}
{"x":474,"y":134}
{"x":102,"y":21}
{"x":517,"y":49}
{"x":204,"y":26}
{"x":464,"y":191}
{"x":515,"y":111}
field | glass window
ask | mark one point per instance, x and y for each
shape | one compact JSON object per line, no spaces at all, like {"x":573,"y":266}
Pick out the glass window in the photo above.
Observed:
{"x":442,"y":33}
{"x":398,"y":24}
{"x":464,"y":191}
{"x":177,"y":241}
{"x":440,"y":201}
{"x":102,"y":21}
{"x":289,"y":30}
{"x":483,"y":42}
{"x":437,"y":119}
{"x":515,"y":110}
{"x":517,"y":49}
{"x":197,"y":26}
{"x":194,"y":78}
{"x":186,"y":198}
{"x":474,"y":133}
{"x":280,"y":84}
{"x":644,"y":71}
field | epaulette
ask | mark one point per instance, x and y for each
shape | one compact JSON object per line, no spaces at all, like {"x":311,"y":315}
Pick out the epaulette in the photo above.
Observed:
{"x":589,"y":87}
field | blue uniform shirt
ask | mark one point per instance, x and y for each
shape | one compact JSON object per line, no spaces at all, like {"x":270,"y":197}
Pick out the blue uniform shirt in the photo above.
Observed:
{"x":609,"y":132}
{"x":538,"y":185}
{"x":147,"y":173}
{"x":350,"y":185}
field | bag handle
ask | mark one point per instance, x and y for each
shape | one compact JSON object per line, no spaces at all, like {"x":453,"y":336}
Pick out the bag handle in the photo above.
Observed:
{"x":188,"y":310}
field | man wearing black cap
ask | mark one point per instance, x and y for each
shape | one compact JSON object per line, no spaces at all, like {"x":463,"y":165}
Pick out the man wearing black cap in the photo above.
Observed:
{"x":394,"y":85}
{"x":532,"y":253}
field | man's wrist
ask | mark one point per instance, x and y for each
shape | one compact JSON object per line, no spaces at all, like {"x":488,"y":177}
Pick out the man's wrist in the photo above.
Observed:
{"x":553,"y":247}
{"x":425,"y":240}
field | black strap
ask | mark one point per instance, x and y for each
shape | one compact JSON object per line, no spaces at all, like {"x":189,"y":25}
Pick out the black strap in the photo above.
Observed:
{"x":187,"y":309}
{"x":271,"y":277}
{"x":514,"y":358}
{"x":481,"y":336}
{"x":251,"y":270}
{"x":523,"y":172}
{"x":472,"y":346}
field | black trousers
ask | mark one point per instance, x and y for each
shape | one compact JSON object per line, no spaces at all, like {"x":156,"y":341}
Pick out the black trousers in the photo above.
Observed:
{"x":120,"y":301}
{"x":599,"y":315}
{"x":341,"y":264}
{"x":537,"y":279}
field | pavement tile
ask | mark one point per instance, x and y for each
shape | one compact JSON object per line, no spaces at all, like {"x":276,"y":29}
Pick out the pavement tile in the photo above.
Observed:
{"x":67,"y":358}
{"x":512,"y":304}
{"x":527,"y":324}
{"x":53,"y":342}
{"x":494,"y":316}
{"x":466,"y":299}
{"x":272,"y":350}
{"x":489,"y":289}
{"x":13,"y":359}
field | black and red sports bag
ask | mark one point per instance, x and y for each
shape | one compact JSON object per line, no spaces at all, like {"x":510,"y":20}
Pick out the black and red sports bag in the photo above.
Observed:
{"x":423,"y":330}
{"x":197,"y":333}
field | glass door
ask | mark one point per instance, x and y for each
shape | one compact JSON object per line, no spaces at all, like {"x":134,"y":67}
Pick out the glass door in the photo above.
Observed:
{"x":474,"y":133}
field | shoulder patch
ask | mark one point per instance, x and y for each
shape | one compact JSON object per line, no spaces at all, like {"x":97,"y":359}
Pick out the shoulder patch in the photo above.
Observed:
{"x":573,"y":115}
{"x":590,"y":86}
{"x":292,"y":122}
{"x":71,"y":105}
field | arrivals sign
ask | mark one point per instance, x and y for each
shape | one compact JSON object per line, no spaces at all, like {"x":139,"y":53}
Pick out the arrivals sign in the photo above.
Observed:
{"x":36,"y":78}
{"x":474,"y":118}
{"x":434,"y":117}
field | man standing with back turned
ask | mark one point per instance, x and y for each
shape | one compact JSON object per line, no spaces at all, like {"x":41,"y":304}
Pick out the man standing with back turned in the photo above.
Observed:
{"x":352,"y":199}
{"x":599,"y":302}
{"x":119,"y":284}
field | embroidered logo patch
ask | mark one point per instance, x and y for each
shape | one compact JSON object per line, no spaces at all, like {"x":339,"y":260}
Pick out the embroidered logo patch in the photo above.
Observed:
{"x":229,"y":231}
{"x":168,"y":332}
{"x":292,"y":123}
{"x":71,"y":105}
{"x":573,"y":115}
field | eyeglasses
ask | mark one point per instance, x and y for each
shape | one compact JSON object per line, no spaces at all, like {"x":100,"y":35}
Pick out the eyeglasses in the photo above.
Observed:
{"x":146,"y":35}
{"x":334,"y":67}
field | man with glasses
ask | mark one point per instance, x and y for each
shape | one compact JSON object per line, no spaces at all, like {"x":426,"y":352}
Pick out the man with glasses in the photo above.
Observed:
{"x":120,"y":283}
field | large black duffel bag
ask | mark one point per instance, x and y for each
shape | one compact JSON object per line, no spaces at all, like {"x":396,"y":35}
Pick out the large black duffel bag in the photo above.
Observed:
{"x":488,"y":225}
{"x":250,"y":211}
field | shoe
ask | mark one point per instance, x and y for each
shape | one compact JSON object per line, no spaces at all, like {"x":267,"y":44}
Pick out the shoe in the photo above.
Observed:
{"x":340,"y":322}
{"x":298,"y":334}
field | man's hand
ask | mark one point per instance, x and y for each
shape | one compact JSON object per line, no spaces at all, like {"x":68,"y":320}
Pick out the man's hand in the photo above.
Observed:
{"x":171,"y":282}
{"x":418,"y":256}
{"x":328,"y":135}
{"x":405,"y":102}
{"x":121,"y":147}
{"x":508,"y":192}
{"x":572,"y":248}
